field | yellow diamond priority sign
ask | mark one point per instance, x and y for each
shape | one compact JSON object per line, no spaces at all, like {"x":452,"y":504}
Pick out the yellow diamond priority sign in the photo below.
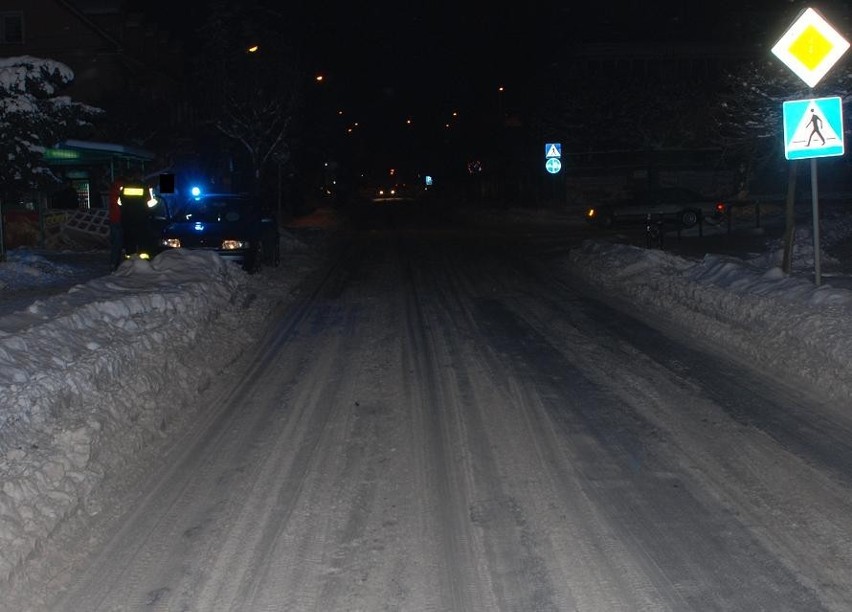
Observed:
{"x":810,"y":47}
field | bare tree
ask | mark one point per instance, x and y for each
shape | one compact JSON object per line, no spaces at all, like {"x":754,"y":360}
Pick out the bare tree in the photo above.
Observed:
{"x":251,"y":81}
{"x":749,"y":124}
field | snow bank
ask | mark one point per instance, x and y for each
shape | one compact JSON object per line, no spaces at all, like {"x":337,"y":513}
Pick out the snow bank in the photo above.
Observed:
{"x":785,"y":323}
{"x":83,"y":376}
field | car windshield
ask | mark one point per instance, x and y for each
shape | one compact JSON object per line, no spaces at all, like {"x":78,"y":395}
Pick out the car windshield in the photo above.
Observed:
{"x":212,"y":209}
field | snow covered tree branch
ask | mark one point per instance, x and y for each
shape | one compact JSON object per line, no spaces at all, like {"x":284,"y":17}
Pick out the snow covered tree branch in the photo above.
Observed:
{"x":33,"y":117}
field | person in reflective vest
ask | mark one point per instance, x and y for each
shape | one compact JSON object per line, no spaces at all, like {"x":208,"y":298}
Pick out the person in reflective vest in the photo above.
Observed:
{"x":116,"y":234}
{"x":137,"y":206}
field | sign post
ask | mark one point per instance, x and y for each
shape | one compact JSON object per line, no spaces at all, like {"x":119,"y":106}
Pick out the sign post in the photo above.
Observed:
{"x":812,"y":128}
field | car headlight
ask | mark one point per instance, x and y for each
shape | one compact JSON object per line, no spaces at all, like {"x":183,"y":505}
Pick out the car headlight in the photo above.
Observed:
{"x":233,"y":245}
{"x":172,"y":243}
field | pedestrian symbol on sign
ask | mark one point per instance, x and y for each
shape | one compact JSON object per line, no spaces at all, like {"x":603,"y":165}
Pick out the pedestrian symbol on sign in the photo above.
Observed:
{"x":816,"y":122}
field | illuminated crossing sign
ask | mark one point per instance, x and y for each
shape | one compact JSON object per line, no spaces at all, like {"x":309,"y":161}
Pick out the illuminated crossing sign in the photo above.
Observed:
{"x":552,"y":155}
{"x":813,"y":128}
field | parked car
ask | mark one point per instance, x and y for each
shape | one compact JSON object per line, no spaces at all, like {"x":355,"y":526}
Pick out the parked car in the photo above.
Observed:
{"x":678,"y":205}
{"x":236,"y":226}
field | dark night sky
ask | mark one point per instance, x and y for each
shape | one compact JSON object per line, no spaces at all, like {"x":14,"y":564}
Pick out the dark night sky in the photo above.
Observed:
{"x":430,"y":56}
{"x":463,"y":44}
{"x":427,"y":54}
{"x":423,"y":56}
{"x":384,"y":61}
{"x":430,"y":53}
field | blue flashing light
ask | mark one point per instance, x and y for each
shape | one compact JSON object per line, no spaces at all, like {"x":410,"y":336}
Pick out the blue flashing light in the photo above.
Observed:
{"x":195,"y":191}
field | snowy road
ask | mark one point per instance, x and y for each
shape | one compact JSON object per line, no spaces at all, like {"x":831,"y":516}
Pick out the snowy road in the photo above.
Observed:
{"x":442,"y":424}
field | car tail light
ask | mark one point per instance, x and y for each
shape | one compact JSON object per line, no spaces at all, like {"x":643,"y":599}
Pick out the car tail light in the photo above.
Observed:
{"x":721,"y":208}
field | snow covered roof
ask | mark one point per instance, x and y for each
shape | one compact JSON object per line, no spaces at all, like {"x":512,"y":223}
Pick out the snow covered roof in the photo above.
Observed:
{"x":83,"y":151}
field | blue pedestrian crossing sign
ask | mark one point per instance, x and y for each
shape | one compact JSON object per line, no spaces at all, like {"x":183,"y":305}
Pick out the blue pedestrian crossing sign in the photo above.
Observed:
{"x":813,"y":128}
{"x":553,"y":149}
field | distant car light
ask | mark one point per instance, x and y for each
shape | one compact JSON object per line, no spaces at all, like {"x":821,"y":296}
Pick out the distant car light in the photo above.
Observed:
{"x":172,"y":243}
{"x":139,"y":255}
{"x":234,"y":245}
